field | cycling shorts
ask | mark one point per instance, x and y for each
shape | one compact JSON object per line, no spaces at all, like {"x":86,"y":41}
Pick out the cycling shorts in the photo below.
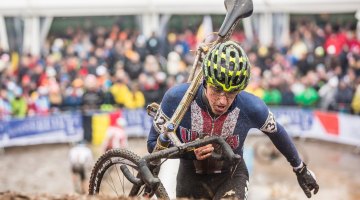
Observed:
{"x":230,"y":184}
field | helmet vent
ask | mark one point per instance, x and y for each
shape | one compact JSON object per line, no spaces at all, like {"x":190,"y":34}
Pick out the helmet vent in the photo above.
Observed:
{"x":231,"y":66}
{"x":227,"y":66}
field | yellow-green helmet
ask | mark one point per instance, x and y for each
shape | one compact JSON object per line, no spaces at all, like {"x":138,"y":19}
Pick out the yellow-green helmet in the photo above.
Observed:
{"x":227,"y":66}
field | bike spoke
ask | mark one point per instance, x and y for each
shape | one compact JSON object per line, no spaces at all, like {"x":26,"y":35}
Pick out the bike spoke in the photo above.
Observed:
{"x":122,"y":183}
{"x":113,"y":185}
{"x":141,"y":191}
{"x":116,"y":181}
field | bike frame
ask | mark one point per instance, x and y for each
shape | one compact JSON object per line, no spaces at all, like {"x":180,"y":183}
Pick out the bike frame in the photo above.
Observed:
{"x":236,"y":10}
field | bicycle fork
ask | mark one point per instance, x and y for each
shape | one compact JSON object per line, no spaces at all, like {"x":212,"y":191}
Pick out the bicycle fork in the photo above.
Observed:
{"x":147,"y":175}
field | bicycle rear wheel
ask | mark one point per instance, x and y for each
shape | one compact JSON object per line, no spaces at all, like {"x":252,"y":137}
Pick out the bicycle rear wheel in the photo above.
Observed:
{"x":109,"y":180}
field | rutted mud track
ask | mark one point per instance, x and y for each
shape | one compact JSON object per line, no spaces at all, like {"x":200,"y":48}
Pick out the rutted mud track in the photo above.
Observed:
{"x":8,"y":195}
{"x":43,"y":172}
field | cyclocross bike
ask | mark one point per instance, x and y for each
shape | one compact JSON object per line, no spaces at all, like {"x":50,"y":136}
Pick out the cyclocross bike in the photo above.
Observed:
{"x":121,"y":172}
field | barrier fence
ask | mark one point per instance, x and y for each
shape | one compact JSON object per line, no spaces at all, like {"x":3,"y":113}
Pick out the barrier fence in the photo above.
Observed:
{"x":39,"y":130}
{"x":72,"y":127}
{"x":330,"y":126}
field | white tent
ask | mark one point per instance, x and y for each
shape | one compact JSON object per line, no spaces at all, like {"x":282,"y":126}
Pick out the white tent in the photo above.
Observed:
{"x":124,"y":7}
{"x":150,"y":11}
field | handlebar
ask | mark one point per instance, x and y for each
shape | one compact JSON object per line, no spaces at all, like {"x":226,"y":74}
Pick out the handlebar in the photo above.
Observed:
{"x":177,"y":151}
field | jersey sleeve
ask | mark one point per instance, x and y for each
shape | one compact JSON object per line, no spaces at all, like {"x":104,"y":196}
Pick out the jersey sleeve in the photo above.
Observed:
{"x":264,"y":120}
{"x":168,"y":106}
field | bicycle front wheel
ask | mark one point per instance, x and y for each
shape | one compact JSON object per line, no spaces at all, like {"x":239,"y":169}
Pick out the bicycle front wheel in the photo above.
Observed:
{"x":108,"y":179}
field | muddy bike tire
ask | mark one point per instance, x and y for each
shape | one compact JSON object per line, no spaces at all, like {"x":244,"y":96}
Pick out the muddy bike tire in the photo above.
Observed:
{"x":107,"y":178}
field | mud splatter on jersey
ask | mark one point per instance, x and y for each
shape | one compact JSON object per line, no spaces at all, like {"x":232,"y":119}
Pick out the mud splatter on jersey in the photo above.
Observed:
{"x":246,"y":112}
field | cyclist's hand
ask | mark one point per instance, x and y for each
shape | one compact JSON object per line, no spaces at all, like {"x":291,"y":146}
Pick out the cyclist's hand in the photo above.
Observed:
{"x":307,"y":180}
{"x":203,"y":152}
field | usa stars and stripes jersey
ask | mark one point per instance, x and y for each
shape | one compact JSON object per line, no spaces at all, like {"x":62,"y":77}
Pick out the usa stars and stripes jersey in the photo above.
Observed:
{"x":246,"y":112}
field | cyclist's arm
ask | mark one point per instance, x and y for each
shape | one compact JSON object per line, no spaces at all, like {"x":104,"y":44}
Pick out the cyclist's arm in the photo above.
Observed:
{"x":264,"y":120}
{"x":151,"y":141}
{"x":284,"y":144}
{"x":168,"y":106}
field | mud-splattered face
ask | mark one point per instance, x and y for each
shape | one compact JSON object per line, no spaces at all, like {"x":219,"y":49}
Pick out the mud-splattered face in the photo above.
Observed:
{"x":219,"y":100}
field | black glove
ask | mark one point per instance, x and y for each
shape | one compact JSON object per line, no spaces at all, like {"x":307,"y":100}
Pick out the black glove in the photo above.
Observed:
{"x":307,"y":181}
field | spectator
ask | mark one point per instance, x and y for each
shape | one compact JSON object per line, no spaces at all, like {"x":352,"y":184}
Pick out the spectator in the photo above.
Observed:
{"x":5,"y":106}
{"x":132,"y":66}
{"x":152,"y":80}
{"x":140,"y":47}
{"x":272,"y":96}
{"x":73,"y":95}
{"x":18,"y":104}
{"x":119,"y":89}
{"x":327,"y":94}
{"x":136,"y":98}
{"x":355,"y":103}
{"x":287,"y":96}
{"x":153,"y":44}
{"x":42,"y":103}
{"x":170,"y":42}
{"x":173,"y":62}
{"x":343,"y":97}
{"x":55,"y":96}
{"x":104,"y":83}
{"x":92,"y":97}
{"x":255,"y":85}
{"x":335,"y":41}
{"x":309,"y":97}
{"x":298,"y":48}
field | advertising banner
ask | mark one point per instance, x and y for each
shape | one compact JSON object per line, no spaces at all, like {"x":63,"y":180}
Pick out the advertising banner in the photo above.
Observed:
{"x":138,"y":122}
{"x":69,"y":127}
{"x":329,"y":126}
{"x":41,"y":129}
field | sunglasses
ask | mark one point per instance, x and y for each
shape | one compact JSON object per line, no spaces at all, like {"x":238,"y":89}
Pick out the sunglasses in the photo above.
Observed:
{"x":218,"y":91}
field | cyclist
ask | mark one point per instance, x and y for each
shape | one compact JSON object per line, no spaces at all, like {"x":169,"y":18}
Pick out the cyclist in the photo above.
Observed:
{"x":116,"y":136}
{"x":80,"y":157}
{"x":222,"y":108}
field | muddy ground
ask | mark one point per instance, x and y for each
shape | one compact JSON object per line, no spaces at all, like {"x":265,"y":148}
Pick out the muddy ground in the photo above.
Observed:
{"x":43,"y":172}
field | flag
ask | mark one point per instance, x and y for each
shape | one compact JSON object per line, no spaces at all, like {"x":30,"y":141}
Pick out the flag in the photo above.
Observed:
{"x":205,"y":29}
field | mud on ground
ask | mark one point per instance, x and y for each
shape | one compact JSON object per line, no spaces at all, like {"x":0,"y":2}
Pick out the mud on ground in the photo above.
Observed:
{"x":8,"y":195}
{"x":43,"y":172}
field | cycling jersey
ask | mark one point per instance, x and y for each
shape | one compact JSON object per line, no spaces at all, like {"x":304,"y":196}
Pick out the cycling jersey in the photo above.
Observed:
{"x":246,"y":112}
{"x":215,"y":179}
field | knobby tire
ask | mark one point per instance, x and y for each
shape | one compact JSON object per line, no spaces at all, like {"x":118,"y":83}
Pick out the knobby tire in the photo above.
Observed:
{"x":115,"y":157}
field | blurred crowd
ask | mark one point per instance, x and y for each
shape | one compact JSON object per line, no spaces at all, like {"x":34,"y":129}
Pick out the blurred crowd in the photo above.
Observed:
{"x":319,"y":68}
{"x":108,"y":68}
